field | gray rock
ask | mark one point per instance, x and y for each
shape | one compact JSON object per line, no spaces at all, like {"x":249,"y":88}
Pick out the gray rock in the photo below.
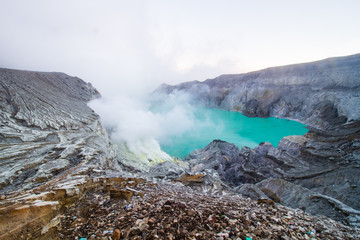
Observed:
{"x":320,"y":94}
{"x":168,"y":170}
{"x":296,"y":165}
{"x":251,"y":191}
{"x":323,"y":163}
{"x":296,"y":196}
{"x":48,"y":130}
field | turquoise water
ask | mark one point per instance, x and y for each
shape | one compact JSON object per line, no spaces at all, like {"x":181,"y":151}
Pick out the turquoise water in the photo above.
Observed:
{"x":233,"y":127}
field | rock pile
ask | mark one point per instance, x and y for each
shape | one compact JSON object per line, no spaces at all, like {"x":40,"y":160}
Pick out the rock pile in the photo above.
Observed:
{"x":174,"y":211}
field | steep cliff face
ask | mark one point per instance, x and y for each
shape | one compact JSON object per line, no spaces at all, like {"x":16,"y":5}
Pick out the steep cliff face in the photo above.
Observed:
{"x":318,"y":170}
{"x":320,"y":94}
{"x":47,"y":129}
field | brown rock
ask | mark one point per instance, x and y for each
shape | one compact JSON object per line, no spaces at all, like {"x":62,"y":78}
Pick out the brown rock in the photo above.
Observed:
{"x":116,"y":234}
{"x":191,"y":213}
{"x":271,"y":195}
{"x":135,"y":231}
{"x":266,"y":202}
{"x":121,"y":194}
{"x":167,"y":208}
{"x":188,"y":179}
{"x":152,"y":220}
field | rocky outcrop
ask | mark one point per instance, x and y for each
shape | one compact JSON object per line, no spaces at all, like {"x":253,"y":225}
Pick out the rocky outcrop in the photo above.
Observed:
{"x":38,"y":213}
{"x":52,"y":147}
{"x":302,"y":172}
{"x":320,"y":94}
{"x":47,"y":129}
{"x":317,"y":170}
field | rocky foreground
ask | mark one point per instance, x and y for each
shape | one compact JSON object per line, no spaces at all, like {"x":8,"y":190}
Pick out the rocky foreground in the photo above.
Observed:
{"x":174,"y":211}
{"x":133,"y":208}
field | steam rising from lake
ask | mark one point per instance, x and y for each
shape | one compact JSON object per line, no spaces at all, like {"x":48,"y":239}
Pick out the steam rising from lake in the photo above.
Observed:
{"x":170,"y":123}
{"x":138,"y":123}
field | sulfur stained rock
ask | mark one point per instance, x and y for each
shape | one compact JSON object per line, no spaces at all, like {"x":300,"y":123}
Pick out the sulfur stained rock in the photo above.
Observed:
{"x":188,"y":179}
{"x":33,"y":218}
{"x":266,"y":202}
{"x":121,"y":194}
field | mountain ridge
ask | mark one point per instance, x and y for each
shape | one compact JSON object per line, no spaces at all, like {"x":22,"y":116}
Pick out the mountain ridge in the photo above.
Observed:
{"x":296,"y":95}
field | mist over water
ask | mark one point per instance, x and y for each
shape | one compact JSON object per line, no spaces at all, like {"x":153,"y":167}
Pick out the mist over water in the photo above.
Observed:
{"x":165,"y":126}
{"x":135,"y":123}
{"x":233,"y":127}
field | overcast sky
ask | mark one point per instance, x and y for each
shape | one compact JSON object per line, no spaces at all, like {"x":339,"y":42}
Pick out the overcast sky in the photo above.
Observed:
{"x":132,"y":46}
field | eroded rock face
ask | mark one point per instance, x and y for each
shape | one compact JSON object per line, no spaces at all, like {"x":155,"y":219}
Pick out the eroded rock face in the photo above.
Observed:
{"x":53,"y":148}
{"x":47,"y":129}
{"x":317,"y":170}
{"x":321,"y":94}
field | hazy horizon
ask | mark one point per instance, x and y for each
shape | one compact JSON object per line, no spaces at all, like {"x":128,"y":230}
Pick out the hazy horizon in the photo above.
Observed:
{"x":132,"y":47}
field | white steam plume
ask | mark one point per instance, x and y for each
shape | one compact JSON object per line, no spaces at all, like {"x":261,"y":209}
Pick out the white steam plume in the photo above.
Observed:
{"x":138,"y":125}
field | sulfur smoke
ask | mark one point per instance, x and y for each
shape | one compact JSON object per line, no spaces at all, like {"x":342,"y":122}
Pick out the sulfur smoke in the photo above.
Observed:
{"x":139,"y":124}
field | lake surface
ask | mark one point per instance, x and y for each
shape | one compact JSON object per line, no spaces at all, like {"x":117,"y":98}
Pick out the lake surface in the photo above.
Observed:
{"x":233,"y":127}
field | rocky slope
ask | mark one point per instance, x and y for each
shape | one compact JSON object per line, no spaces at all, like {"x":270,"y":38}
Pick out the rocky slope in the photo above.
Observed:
{"x":317,"y":172}
{"x":47,"y":129}
{"x":51,"y":144}
{"x":174,"y":211}
{"x":133,"y":208}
